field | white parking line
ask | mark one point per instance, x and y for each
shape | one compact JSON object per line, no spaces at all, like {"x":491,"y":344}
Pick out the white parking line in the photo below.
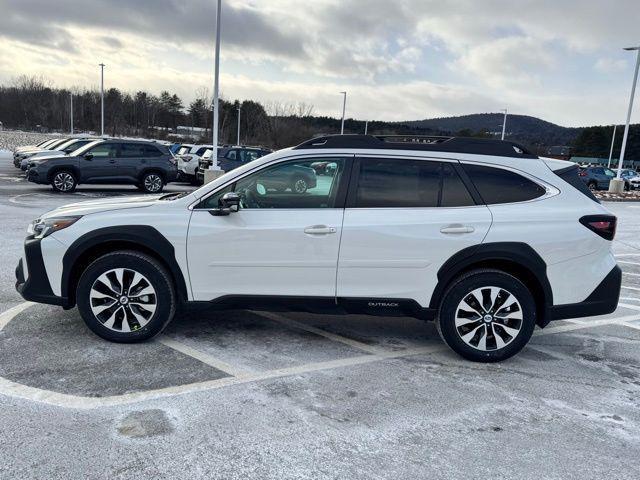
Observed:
{"x":8,"y":387}
{"x":203,"y":357}
{"x":627,"y":255}
{"x":631,"y":288}
{"x":629,"y":263}
{"x":331,"y":336}
{"x":7,"y":316}
{"x":631,"y":274}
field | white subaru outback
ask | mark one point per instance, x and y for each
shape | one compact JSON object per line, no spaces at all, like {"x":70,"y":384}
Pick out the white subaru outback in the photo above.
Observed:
{"x":480,"y":235}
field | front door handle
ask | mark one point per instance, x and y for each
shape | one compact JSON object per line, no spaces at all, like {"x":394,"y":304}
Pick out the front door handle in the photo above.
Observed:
{"x":319,"y":230}
{"x":112,"y":161}
{"x":454,"y":229}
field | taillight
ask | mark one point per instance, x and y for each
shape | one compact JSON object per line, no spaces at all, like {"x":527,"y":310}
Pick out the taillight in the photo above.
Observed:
{"x":582,"y":174}
{"x":603,"y":225}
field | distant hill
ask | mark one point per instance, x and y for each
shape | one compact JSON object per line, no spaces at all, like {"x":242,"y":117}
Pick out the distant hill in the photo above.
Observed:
{"x":530,"y":131}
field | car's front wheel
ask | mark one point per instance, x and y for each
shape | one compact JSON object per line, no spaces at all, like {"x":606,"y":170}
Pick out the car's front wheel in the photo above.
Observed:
{"x":126,"y":297}
{"x":64,"y":181}
{"x":151,"y":182}
{"x":487,"y":316}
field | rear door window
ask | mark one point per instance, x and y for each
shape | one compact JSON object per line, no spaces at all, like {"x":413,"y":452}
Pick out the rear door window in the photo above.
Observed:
{"x":406,"y":183}
{"x":132,"y":150}
{"x":496,"y":185}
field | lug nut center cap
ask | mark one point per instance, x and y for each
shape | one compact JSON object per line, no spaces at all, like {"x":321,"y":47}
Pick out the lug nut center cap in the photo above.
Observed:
{"x":487,"y":318}
{"x":124,"y":300}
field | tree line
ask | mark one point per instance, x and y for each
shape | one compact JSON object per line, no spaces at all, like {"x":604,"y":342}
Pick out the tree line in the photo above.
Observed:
{"x":33,"y":103}
{"x":596,"y":142}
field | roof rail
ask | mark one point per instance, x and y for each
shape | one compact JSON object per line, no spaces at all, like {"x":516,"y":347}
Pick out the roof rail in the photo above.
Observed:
{"x":477,"y":146}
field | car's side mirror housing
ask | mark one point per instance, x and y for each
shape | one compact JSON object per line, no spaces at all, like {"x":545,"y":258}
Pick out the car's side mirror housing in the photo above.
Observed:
{"x":88,"y":156}
{"x":228,"y":203}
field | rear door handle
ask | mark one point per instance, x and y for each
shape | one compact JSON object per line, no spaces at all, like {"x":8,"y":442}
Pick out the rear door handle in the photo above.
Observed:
{"x":453,"y":229}
{"x":319,"y":230}
{"x":112,"y":161}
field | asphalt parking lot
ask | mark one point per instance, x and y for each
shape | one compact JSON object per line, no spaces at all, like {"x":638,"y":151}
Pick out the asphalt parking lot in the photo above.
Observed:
{"x":244,"y":394}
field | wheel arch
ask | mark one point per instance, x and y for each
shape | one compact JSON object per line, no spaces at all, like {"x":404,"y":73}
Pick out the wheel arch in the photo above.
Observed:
{"x":55,"y":169}
{"x":140,"y":238}
{"x":515,"y":258}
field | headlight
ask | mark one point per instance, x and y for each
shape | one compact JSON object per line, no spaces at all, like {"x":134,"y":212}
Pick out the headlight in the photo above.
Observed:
{"x":43,"y":228}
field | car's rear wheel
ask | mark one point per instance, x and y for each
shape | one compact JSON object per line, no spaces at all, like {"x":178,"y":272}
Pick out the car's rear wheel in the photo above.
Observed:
{"x":151,"y":183}
{"x":593,"y":186}
{"x":299,"y":185}
{"x":126,"y":297}
{"x":487,"y":316}
{"x":64,"y":181}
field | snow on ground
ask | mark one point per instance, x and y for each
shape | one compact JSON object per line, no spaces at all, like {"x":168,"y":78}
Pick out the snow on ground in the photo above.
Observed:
{"x":11,"y":139}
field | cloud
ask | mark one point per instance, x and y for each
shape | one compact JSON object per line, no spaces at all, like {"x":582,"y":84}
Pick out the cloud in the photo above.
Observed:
{"x":398,"y":60}
{"x":611,"y":65}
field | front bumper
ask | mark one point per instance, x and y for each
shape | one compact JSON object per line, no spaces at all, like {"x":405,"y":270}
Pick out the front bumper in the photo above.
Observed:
{"x":603,"y":300}
{"x":35,"y":287}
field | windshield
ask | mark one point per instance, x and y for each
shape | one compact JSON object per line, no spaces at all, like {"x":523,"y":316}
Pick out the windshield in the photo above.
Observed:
{"x":183,"y":150}
{"x":53,"y":145}
{"x":84,"y":148}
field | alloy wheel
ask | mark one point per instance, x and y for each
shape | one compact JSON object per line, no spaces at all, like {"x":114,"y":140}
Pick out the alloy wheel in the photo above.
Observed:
{"x":63,"y":181}
{"x":488,"y":318}
{"x":300,"y":186}
{"x":123,"y":300}
{"x":152,"y":183}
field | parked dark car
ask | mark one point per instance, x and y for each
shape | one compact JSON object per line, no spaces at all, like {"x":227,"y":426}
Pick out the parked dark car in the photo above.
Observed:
{"x":297,"y":178}
{"x":148,"y":165}
{"x":598,"y":178}
{"x":230,"y":158}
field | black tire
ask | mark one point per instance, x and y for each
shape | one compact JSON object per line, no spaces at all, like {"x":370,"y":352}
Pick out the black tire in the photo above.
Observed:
{"x":460,"y":290}
{"x":64,"y":181}
{"x":627,"y":187}
{"x":299,"y":185}
{"x":154,"y":275}
{"x":151,"y":182}
{"x":593,"y":186}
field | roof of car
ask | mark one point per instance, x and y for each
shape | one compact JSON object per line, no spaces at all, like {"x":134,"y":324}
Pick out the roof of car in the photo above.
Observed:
{"x":479,"y":146}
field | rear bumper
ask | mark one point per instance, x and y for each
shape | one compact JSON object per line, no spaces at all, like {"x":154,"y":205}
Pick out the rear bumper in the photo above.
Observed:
{"x":603,"y":300}
{"x":35,"y":287}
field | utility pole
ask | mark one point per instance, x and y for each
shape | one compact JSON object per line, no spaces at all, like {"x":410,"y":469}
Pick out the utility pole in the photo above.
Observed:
{"x":238,"y":141}
{"x":504,"y":123}
{"x":613,"y":140}
{"x":366,"y":126}
{"x":216,"y":82}
{"x":71,"y":111}
{"x":102,"y":99}
{"x":344,"y":105}
{"x":617,"y":185}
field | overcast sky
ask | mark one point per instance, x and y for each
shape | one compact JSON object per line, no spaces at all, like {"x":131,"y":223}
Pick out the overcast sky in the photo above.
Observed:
{"x":561,"y":60}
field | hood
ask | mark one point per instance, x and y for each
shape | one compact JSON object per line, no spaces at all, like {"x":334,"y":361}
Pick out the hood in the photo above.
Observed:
{"x":103,"y":205}
{"x":41,"y":156}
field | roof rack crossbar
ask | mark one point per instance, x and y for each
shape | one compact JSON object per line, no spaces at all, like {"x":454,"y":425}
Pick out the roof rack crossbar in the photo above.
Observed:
{"x":477,"y":146}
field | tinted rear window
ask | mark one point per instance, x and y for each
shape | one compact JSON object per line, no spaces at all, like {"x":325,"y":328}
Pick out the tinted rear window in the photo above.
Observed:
{"x":496,"y":185}
{"x":570,"y":175}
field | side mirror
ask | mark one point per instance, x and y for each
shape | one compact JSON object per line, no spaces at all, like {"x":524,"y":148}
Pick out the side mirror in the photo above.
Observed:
{"x":228,"y":203}
{"x":88,"y":156}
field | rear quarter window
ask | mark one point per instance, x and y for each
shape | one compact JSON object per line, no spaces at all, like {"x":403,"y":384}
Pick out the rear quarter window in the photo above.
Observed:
{"x":496,"y":185}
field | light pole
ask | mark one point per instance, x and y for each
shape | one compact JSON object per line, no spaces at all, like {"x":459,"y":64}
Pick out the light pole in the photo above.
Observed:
{"x":216,"y":76}
{"x":366,"y":126}
{"x":71,"y":111}
{"x":617,"y":185}
{"x":344,"y":106}
{"x":238,"y":142}
{"x":613,"y":140}
{"x":504,"y":122}
{"x":102,"y":99}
